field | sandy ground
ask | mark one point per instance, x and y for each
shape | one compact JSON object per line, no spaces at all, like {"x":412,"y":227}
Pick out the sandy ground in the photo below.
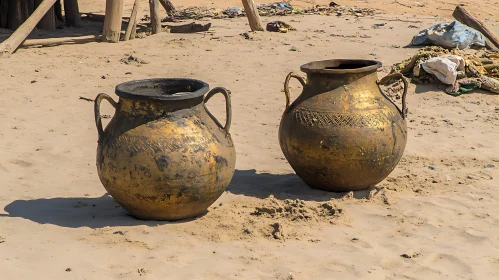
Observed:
{"x":56,"y":221}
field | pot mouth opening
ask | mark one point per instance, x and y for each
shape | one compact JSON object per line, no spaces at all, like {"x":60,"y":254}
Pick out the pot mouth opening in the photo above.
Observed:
{"x":341,"y":66}
{"x":162,"y":89}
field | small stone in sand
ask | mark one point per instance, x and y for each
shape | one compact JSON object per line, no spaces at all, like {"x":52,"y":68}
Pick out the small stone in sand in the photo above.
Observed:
{"x":277,"y":232}
{"x":69,"y":269}
{"x":410,"y":256}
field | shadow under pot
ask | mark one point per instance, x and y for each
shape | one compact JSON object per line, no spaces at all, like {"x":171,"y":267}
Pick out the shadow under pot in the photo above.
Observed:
{"x":163,"y":156}
{"x":342,"y":133}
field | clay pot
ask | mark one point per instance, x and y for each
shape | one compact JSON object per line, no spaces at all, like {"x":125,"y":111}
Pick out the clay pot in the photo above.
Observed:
{"x":342,"y":133}
{"x":163,"y":156}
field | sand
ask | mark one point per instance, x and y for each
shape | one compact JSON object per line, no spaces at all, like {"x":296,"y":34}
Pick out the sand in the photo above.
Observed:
{"x":435,"y":217}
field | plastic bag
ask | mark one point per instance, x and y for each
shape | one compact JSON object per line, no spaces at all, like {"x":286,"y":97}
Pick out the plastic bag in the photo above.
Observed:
{"x":449,"y":35}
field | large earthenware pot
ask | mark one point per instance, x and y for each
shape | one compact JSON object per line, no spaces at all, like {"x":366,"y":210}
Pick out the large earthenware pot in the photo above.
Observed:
{"x":342,"y":133}
{"x":163,"y":156}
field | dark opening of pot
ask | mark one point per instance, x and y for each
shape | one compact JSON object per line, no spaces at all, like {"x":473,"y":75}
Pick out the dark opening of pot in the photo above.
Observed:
{"x":162,"y":89}
{"x":351,"y":64}
{"x":341,"y":66}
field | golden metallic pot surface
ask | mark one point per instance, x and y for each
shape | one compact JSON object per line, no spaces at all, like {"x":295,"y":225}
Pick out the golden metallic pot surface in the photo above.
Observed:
{"x":342,"y":133}
{"x":163,"y":156}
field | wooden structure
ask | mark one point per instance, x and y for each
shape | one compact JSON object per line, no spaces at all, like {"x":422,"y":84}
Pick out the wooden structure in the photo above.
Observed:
{"x":23,"y":16}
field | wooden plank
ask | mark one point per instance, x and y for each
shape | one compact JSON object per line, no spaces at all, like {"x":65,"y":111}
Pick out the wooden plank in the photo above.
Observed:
{"x":133,"y":20}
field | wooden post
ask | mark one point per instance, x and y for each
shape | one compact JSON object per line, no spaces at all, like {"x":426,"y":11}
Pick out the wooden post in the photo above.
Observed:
{"x":48,"y":21}
{"x":112,"y":21}
{"x":31,"y":7}
{"x":72,"y":13}
{"x":133,"y":20}
{"x":15,"y":18}
{"x":465,"y":17}
{"x":58,"y":11}
{"x":155,"y":19}
{"x":8,"y":46}
{"x":4,"y":13}
{"x":168,"y":5}
{"x":253,"y":16}
{"x":134,"y":31}
{"x":24,"y":10}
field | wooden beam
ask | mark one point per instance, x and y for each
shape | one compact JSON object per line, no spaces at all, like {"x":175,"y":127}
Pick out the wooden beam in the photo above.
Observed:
{"x":253,"y":16}
{"x":189,"y":28}
{"x":465,"y":17}
{"x":155,"y":19}
{"x":8,"y":46}
{"x":133,"y":20}
{"x":168,"y":5}
{"x":59,"y":41}
{"x":112,"y":21}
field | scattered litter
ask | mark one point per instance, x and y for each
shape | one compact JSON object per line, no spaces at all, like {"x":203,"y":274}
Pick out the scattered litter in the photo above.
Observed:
{"x":490,"y":166}
{"x":410,"y":256}
{"x":279,"y":26}
{"x":274,"y":9}
{"x":86,"y":99}
{"x":449,"y":35}
{"x":378,"y":25}
{"x":481,"y":70}
{"x":444,"y":67}
{"x":246,"y":36}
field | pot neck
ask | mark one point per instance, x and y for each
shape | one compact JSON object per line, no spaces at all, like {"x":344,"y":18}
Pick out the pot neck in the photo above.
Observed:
{"x":324,"y":82}
{"x":157,"y":108}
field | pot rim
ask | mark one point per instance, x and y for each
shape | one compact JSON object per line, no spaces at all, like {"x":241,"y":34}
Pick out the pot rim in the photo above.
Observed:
{"x":321,"y":66}
{"x":158,"y":89}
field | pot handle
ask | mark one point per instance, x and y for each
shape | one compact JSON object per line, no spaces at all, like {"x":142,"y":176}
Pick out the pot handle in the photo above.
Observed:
{"x":228,"y":106}
{"x":98,"y":120}
{"x":389,"y":77}
{"x":286,"y":86}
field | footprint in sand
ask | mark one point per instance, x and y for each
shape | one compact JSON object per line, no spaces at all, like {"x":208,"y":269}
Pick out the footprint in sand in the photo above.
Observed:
{"x":21,"y":163}
{"x":447,"y":264}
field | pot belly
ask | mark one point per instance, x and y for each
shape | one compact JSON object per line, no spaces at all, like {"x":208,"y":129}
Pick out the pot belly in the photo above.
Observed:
{"x":342,"y":152}
{"x":166,"y":172}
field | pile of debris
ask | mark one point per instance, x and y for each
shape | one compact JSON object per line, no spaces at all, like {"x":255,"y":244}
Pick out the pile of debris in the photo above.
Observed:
{"x":461,"y":71}
{"x":295,"y":210}
{"x":275,"y":9}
